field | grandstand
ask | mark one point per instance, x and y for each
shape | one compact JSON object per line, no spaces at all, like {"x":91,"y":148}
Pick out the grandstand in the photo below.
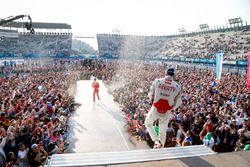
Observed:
{"x":234,"y":42}
{"x":49,"y":38}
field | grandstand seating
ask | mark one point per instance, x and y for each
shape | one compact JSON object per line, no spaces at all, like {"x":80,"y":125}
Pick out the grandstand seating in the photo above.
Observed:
{"x":234,"y":43}
{"x":38,"y":43}
{"x":46,"y":39}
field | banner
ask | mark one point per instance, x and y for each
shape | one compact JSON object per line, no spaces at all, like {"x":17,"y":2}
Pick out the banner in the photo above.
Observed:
{"x":229,"y":62}
{"x":248,"y":71}
{"x":241,"y":63}
{"x":219,"y":60}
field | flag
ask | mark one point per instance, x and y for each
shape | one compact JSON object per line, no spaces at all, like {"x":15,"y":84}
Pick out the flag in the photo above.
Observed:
{"x":214,"y":84}
{"x":219,"y":60}
{"x":248,"y":71}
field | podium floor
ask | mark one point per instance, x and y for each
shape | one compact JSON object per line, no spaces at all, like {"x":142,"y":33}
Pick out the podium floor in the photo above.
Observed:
{"x":98,"y":126}
{"x":125,"y":157}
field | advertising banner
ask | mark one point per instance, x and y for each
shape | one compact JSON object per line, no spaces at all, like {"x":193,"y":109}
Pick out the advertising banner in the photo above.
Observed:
{"x":219,"y":60}
{"x":248,"y":71}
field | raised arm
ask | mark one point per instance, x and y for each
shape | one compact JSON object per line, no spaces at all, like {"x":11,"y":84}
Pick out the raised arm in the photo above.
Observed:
{"x":177,"y":99}
{"x":152,"y":91}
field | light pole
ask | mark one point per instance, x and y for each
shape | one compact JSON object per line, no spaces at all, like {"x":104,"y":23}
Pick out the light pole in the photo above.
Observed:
{"x":235,"y":21}
{"x":204,"y":27}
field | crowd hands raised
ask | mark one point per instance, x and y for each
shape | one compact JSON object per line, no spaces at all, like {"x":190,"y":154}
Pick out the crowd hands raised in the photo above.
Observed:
{"x":214,"y":113}
{"x":35,"y":107}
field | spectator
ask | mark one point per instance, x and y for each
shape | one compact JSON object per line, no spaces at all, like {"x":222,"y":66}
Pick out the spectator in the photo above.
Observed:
{"x":37,"y":155}
{"x":2,"y":144}
{"x":23,"y":155}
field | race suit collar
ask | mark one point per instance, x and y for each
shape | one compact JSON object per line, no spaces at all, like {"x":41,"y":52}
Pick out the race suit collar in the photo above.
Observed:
{"x":167,"y":77}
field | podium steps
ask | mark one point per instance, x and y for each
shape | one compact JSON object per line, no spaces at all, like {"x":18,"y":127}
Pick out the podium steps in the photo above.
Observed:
{"x":124,"y":157}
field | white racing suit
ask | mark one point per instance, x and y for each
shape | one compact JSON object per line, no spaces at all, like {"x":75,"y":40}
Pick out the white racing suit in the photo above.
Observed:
{"x":166,"y":96}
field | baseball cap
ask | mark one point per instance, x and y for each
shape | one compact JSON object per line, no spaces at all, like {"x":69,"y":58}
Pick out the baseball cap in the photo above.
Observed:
{"x":170,"y":71}
{"x":34,"y":146}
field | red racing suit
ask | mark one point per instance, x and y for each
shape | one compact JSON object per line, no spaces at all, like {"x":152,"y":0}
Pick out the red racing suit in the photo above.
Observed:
{"x":96,"y":86}
{"x":164,"y":91}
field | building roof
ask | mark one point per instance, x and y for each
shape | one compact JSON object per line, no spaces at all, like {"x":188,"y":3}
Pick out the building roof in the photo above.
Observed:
{"x":40,"y":25}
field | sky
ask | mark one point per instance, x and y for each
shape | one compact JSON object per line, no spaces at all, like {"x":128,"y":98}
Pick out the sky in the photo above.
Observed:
{"x":137,"y":17}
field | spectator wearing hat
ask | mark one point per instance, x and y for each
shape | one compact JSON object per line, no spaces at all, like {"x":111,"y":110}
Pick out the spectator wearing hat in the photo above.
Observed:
{"x":37,"y":155}
{"x":234,"y":129}
{"x":166,"y":96}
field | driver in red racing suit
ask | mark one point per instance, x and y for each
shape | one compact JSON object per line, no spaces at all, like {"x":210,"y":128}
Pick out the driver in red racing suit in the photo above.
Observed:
{"x":96,"y":86}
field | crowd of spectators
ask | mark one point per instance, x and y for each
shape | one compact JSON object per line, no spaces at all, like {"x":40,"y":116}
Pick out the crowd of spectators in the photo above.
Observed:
{"x":35,"y":106}
{"x":213,"y":112}
{"x":235,"y":45}
{"x":130,"y":46}
{"x":36,"y":44}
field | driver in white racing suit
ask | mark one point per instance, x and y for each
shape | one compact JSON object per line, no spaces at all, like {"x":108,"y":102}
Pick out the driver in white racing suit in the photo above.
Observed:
{"x":166,"y":96}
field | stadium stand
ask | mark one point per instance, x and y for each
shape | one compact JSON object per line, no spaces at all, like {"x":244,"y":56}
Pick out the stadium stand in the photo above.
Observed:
{"x":14,"y":42}
{"x":235,"y":43}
